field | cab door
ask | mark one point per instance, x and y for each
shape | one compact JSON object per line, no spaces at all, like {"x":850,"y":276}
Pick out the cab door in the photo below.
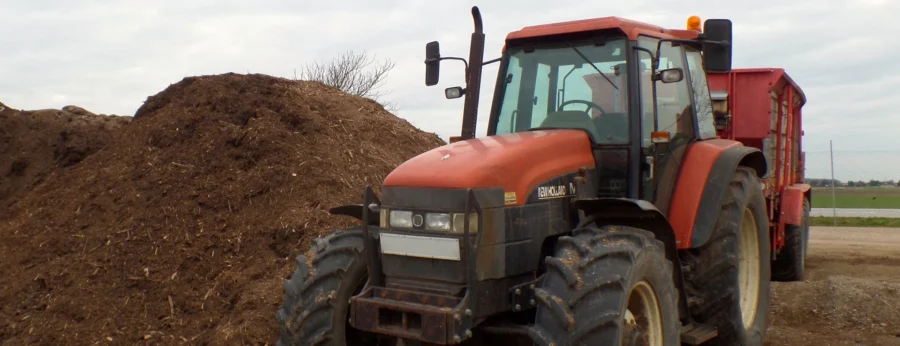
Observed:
{"x":674,"y":117}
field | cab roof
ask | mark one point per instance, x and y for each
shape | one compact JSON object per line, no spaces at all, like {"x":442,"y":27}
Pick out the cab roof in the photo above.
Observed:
{"x":629,"y":27}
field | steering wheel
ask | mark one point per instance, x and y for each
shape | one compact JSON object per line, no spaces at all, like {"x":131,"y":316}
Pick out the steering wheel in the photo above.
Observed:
{"x":588,"y":103}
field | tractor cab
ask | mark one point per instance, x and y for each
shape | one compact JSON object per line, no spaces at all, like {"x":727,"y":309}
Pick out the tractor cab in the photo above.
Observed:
{"x":592,"y":85}
{"x":637,"y":91}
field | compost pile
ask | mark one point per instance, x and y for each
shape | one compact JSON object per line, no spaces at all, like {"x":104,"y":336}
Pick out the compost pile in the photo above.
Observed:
{"x":183,"y":228}
{"x":35,"y":143}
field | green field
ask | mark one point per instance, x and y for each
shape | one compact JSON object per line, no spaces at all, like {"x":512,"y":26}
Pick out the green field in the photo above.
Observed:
{"x":858,"y":197}
{"x":854,"y":221}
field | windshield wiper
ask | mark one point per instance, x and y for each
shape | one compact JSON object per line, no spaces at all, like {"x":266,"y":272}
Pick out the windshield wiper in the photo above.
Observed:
{"x":592,"y":65}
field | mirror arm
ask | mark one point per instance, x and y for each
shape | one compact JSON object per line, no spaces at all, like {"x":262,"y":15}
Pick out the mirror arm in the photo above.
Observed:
{"x":675,"y":40}
{"x":653,"y":58}
{"x":719,"y":43}
{"x":654,"y":63}
{"x":490,"y":61}
{"x":466,"y":63}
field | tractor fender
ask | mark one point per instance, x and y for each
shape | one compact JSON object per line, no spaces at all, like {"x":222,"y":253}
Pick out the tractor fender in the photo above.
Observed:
{"x":629,"y":212}
{"x":716,"y":187}
{"x":640,"y":214}
{"x":356,"y":211}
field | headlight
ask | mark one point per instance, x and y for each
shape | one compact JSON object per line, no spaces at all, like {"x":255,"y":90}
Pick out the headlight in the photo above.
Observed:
{"x":441,"y":222}
{"x":437,"y":222}
{"x":383,"y":218}
{"x":459,"y":223}
{"x":401,"y":219}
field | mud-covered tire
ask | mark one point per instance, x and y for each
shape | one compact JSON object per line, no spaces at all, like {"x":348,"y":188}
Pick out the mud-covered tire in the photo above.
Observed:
{"x":585,"y":294}
{"x":712,"y":275}
{"x":790,"y":265}
{"x":316,"y":297}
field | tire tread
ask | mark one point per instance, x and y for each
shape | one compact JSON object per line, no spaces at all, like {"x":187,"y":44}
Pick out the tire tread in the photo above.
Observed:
{"x":713,"y":296}
{"x":789,"y":266}
{"x":587,"y":312}
{"x":306,"y":315}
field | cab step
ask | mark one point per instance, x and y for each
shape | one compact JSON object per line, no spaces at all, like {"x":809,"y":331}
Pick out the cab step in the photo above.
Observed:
{"x":697,"y":334}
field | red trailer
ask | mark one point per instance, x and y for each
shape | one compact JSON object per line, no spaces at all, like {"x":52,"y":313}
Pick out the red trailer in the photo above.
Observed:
{"x":762,"y":108}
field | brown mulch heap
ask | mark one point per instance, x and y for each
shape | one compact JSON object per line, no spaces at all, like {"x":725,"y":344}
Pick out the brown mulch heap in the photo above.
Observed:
{"x":35,"y":143}
{"x":182,"y":230}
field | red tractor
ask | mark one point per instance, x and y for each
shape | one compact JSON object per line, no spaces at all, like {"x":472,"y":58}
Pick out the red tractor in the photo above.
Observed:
{"x":632,"y":189}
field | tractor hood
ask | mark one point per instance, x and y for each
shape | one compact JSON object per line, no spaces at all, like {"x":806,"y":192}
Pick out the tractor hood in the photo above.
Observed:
{"x":516,"y":162}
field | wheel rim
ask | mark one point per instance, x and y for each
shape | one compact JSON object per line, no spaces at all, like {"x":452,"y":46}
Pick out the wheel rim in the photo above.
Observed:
{"x":749,"y":268}
{"x":643,"y":318}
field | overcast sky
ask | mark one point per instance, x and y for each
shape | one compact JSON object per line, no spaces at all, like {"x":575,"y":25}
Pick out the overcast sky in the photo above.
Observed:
{"x":108,"y":56}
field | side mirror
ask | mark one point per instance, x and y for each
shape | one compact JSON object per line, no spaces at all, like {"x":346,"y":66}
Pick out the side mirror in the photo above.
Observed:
{"x":432,"y":63}
{"x":671,"y":75}
{"x":717,"y":49}
{"x":454,"y":92}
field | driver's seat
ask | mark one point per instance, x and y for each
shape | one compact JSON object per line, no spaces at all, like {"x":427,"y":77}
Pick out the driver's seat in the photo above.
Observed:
{"x":571,"y":120}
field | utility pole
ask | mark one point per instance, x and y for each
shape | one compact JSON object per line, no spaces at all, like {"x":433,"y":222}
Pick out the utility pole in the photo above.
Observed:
{"x":833,"y":183}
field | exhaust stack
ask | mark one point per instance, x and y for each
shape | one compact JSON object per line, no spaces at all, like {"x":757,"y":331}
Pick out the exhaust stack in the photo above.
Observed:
{"x":473,"y":75}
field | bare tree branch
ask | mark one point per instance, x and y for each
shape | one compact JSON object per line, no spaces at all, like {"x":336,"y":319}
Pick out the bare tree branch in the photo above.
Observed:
{"x":354,"y":73}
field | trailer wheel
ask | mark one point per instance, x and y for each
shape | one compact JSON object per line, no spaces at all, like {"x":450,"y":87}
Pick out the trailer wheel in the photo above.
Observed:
{"x":791,"y":263}
{"x":316,"y":297}
{"x":727,"y":279}
{"x":607,"y":286}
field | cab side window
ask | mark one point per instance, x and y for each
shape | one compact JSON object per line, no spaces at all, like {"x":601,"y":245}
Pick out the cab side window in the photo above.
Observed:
{"x":702,"y":105}
{"x":673,"y":100}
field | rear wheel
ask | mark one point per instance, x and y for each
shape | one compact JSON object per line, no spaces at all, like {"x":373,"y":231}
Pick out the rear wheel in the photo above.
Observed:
{"x":607,"y":286}
{"x":791,"y":262}
{"x":727,"y":279}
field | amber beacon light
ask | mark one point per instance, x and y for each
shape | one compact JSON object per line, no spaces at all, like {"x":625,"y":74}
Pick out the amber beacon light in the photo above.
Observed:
{"x":693,"y":23}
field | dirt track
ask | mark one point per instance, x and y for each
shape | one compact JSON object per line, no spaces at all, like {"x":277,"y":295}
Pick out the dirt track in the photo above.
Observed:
{"x":852,"y":292}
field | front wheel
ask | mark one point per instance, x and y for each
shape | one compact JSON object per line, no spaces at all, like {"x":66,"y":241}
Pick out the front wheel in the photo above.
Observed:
{"x":607,"y":286}
{"x":316,"y":297}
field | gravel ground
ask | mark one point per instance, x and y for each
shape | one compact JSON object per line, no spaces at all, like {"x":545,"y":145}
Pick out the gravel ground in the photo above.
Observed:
{"x":851,"y":295}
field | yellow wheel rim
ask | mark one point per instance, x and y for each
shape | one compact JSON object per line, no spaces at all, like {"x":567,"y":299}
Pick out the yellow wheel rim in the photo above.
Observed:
{"x":643,"y":313}
{"x":748,"y":268}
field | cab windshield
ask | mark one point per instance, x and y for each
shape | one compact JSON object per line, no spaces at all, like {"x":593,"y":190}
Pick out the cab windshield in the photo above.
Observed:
{"x":580,"y":86}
